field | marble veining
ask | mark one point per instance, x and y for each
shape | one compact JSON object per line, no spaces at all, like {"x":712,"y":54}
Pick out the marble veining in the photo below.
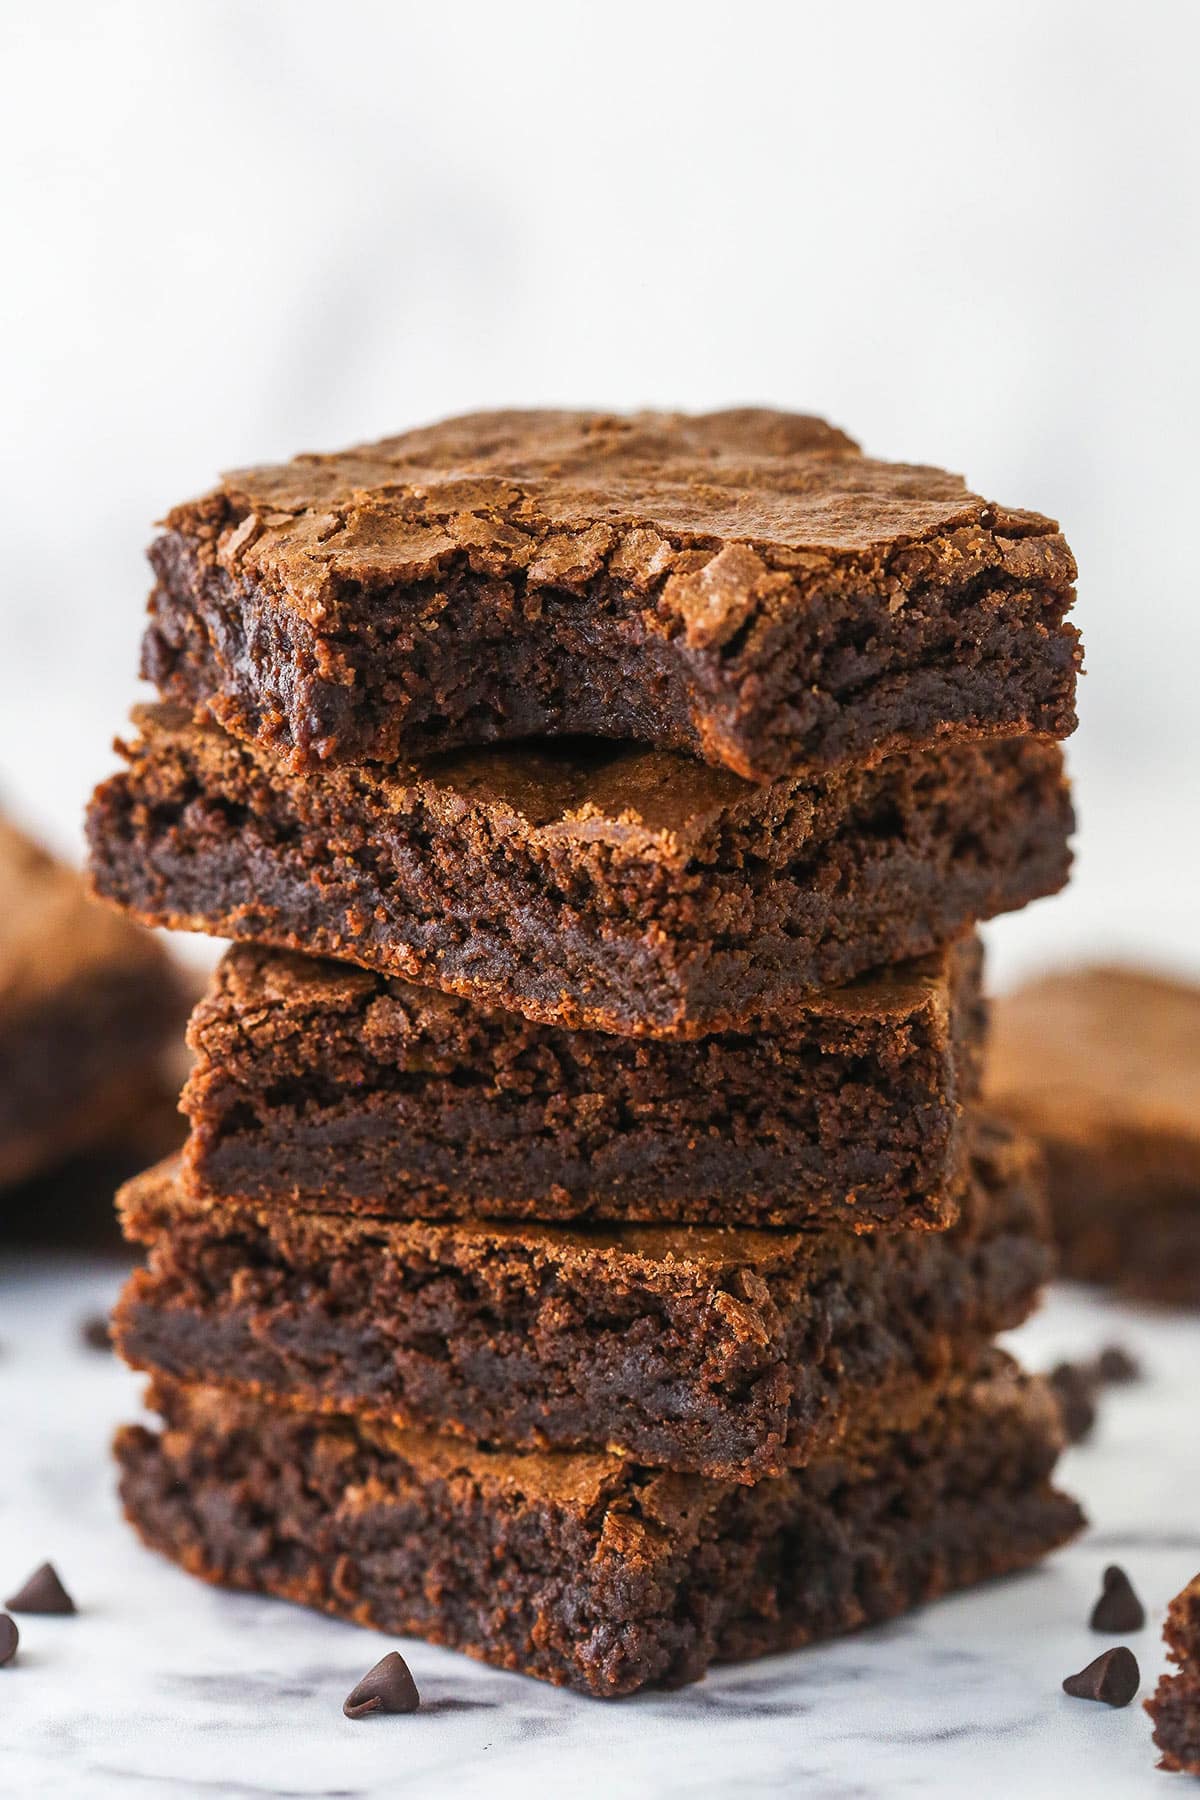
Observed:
{"x":162,"y":1687}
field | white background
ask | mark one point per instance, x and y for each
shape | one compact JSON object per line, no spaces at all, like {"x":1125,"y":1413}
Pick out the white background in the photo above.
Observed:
{"x":966,"y":233}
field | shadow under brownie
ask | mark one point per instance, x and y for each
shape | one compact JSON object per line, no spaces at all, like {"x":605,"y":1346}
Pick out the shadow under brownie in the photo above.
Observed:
{"x":333,"y":1086}
{"x":745,"y":586}
{"x":589,"y":1571}
{"x":88,"y":1006}
{"x":594,"y":886}
{"x":732,"y":1353}
{"x":1102,"y":1066}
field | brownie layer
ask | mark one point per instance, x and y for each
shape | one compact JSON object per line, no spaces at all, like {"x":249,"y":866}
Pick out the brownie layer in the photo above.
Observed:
{"x":596,"y":887}
{"x":745,"y":586}
{"x":70,"y":1204}
{"x":330,"y":1085}
{"x":731,"y":1353}
{"x":1103,"y":1067}
{"x":88,"y":1003}
{"x":1175,"y":1704}
{"x":591,"y":1572}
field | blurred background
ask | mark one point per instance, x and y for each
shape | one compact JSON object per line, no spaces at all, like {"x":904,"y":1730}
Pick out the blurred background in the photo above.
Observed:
{"x":966,"y":234}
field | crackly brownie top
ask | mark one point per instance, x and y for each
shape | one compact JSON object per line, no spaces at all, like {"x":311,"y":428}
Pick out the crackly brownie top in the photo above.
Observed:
{"x":635,"y":801}
{"x":51,"y":933}
{"x":1098,"y":1049}
{"x":259,"y":986}
{"x":729,"y":514}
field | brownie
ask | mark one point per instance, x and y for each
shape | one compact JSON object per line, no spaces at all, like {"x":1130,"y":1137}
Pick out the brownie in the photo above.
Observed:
{"x":70,"y":1206}
{"x":594,"y":886}
{"x":1103,"y":1066}
{"x":1175,"y":1704}
{"x":734,"y":1353}
{"x":590,"y":1571}
{"x":742,"y":585}
{"x":88,"y":1003}
{"x":332,"y":1085}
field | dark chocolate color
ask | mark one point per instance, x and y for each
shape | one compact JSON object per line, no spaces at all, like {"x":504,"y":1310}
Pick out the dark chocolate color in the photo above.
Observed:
{"x":744,"y":586}
{"x":731,"y":1353}
{"x":599,"y":887}
{"x":590,"y":1571}
{"x":327,"y":1085}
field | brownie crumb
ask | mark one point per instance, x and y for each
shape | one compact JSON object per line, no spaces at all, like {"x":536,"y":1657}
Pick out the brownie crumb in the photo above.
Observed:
{"x":1175,"y":1704}
{"x":387,"y":1688}
{"x":1118,"y":1609}
{"x":1113,"y":1678}
{"x":10,"y":1637}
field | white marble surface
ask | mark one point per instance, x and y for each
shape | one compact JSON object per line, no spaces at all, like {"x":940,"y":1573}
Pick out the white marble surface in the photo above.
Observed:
{"x":163,"y":1687}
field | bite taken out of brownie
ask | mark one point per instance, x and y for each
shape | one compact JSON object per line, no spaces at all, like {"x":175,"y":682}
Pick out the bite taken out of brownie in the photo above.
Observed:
{"x":745,"y":586}
{"x":731,"y":1353}
{"x":594,"y":886}
{"x":591,"y":1571}
{"x":330,"y":1086}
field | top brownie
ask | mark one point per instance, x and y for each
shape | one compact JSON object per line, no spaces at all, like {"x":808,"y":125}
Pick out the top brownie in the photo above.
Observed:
{"x":742,"y":585}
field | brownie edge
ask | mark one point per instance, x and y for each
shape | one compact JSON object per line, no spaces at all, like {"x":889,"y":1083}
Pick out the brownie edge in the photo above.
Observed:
{"x":590,"y":1572}
{"x":319,"y":1084}
{"x":728,"y":1353}
{"x":598,"y":887}
{"x":744,"y":586}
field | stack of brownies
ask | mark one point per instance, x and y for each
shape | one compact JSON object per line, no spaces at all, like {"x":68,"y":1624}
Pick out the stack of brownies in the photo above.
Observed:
{"x":595,"y":1265}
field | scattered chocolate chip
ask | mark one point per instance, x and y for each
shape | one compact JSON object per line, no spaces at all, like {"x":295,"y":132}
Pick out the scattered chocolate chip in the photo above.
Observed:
{"x":1114,"y":1678}
{"x":95,"y":1333}
{"x":387,"y":1688}
{"x":1074,"y":1389}
{"x":1117,"y":1367}
{"x":42,"y":1593}
{"x":1118,"y":1609}
{"x":10,"y":1637}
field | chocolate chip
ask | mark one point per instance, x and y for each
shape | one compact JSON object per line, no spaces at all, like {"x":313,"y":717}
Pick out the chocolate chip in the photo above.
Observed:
{"x":1074,"y":1389}
{"x":10,"y":1637}
{"x":42,"y":1593}
{"x":387,"y":1688}
{"x":95,"y":1333}
{"x":1118,"y":1609}
{"x":1114,"y":1678}
{"x":1116,"y":1366}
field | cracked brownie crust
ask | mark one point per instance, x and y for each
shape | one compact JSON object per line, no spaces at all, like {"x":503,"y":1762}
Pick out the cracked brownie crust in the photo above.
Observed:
{"x":1102,"y":1066}
{"x":87,"y":1004}
{"x":589,"y":1571}
{"x":731,"y":1353}
{"x":601,"y":887}
{"x":332,"y":1086}
{"x":745,"y":586}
